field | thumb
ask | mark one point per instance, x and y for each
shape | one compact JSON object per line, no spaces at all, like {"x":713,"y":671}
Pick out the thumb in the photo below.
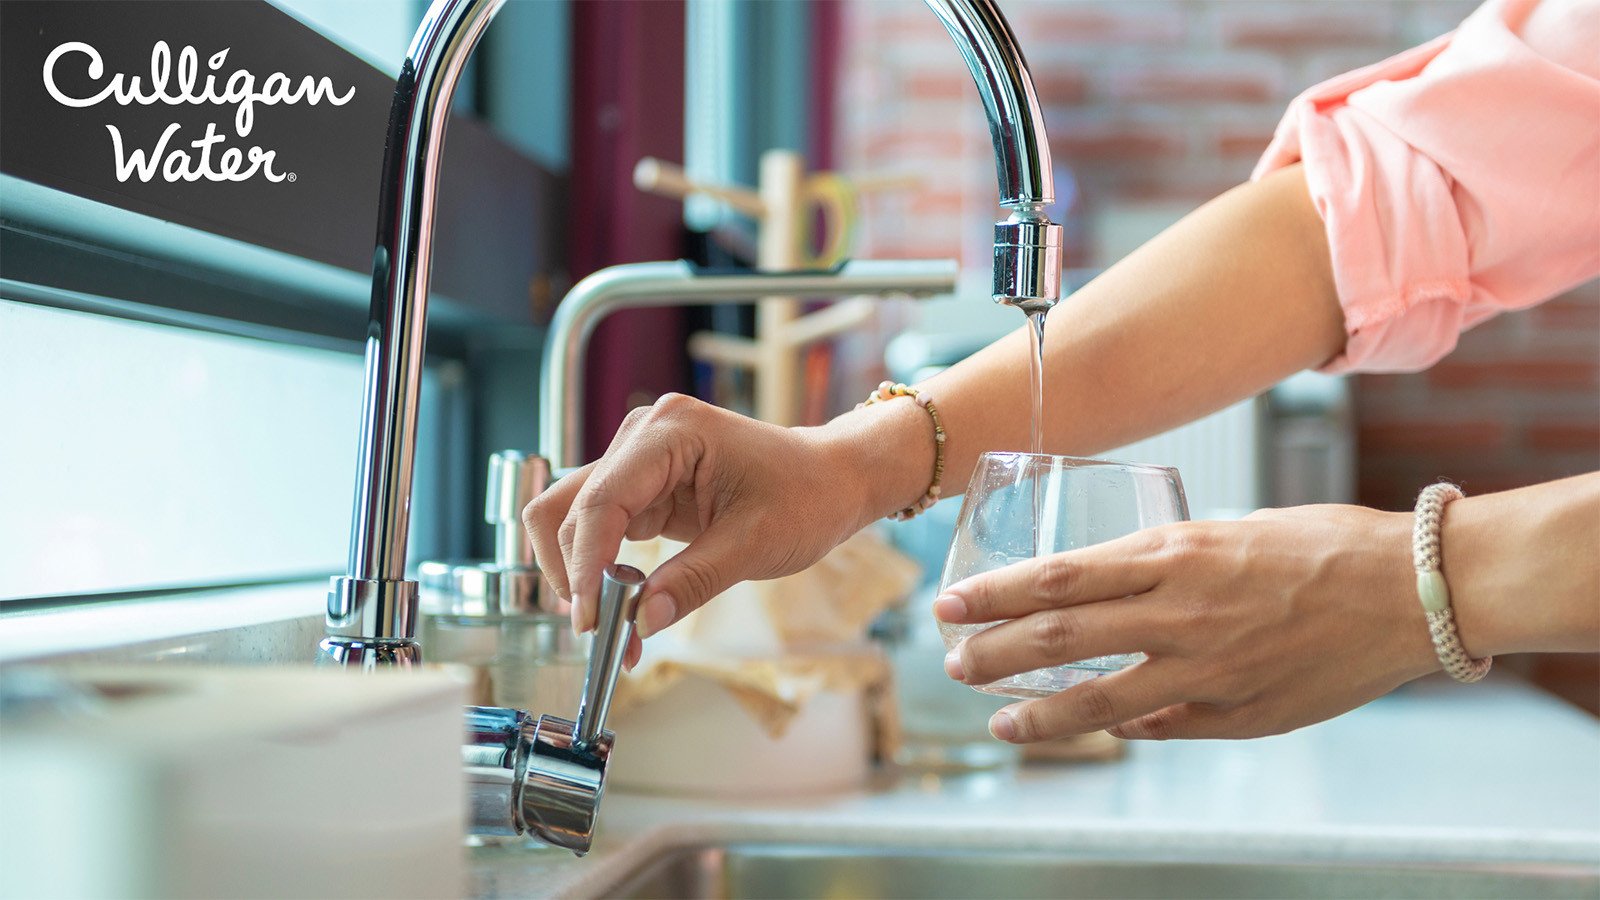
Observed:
{"x":712,"y":563}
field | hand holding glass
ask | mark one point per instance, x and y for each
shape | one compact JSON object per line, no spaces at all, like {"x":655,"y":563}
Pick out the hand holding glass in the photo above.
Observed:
{"x":1022,"y":505}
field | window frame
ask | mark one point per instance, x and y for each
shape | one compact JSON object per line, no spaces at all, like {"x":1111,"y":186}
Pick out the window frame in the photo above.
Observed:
{"x":498,"y":264}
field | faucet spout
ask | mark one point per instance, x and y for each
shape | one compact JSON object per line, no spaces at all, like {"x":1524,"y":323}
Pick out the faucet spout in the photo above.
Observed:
{"x":1027,"y":245}
{"x":1016,"y":126}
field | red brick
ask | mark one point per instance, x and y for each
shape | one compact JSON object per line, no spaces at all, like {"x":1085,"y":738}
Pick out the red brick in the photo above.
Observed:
{"x":933,"y":202}
{"x":1444,"y":436}
{"x":939,"y":85}
{"x":1248,"y":142}
{"x":1516,"y":373}
{"x":1559,"y":436}
{"x":1384,"y":492}
{"x":1571,"y":312}
{"x":1474,"y":483}
{"x":1393,"y":482}
{"x":1383,"y":385}
{"x":1084,"y":25}
{"x":920,"y":24}
{"x":1200,"y":83}
{"x":944,"y":143}
{"x":1059,"y":87}
{"x":1297,"y":32}
{"x":1497,"y":340}
{"x":1116,"y":143}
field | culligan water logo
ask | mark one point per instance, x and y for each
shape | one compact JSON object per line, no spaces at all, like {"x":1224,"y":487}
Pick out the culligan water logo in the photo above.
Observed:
{"x":206,"y":157}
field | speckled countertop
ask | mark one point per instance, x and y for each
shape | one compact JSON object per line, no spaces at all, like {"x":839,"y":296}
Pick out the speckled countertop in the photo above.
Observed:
{"x":1495,"y":772}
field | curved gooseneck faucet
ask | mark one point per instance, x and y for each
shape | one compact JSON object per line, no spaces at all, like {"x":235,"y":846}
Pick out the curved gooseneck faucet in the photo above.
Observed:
{"x":372,"y":609}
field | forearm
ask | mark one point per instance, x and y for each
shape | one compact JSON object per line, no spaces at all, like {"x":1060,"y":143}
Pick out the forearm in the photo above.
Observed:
{"x":1522,"y":567}
{"x":1220,"y":306}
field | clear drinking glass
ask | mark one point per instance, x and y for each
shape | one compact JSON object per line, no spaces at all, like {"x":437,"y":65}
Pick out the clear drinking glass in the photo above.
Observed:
{"x":1079,"y":502}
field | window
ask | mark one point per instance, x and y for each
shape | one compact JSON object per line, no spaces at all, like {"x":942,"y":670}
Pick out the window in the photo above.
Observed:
{"x":138,"y":456}
{"x":180,"y":366}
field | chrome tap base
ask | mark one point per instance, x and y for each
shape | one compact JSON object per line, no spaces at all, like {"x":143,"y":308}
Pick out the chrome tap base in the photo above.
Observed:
{"x":564,"y":783}
{"x":481,"y":589}
{"x":358,"y":653}
{"x":372,"y":609}
{"x":529,"y":777}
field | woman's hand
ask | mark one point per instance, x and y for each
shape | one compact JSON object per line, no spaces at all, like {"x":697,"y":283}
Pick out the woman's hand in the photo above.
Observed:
{"x":752,"y":500}
{"x":1254,"y":627}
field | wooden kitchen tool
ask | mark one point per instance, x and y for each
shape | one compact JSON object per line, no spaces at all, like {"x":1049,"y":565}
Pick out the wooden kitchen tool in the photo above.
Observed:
{"x":787,"y":203}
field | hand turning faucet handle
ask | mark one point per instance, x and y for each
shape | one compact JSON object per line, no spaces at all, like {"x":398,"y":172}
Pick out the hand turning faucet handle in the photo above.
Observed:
{"x":544,"y":778}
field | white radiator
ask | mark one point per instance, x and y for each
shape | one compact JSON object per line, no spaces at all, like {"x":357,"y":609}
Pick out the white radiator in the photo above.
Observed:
{"x":1290,"y":446}
{"x":1221,"y":459}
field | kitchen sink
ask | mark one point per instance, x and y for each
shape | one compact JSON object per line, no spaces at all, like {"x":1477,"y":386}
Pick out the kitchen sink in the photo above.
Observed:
{"x":785,"y":870}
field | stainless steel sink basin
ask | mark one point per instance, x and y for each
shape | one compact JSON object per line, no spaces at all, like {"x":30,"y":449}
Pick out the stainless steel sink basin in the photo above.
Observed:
{"x":783,"y":870}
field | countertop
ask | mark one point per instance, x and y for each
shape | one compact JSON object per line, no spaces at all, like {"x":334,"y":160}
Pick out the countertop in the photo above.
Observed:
{"x":1493,"y":772}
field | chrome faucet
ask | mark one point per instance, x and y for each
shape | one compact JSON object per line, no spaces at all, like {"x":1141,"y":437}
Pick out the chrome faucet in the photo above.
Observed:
{"x":372,"y":609}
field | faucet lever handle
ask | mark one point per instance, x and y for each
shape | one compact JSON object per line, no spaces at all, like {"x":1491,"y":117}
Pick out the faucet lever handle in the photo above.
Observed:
{"x":620,"y":587}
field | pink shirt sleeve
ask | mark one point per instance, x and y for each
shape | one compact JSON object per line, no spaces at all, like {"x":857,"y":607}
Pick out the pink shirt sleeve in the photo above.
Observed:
{"x":1456,"y":180}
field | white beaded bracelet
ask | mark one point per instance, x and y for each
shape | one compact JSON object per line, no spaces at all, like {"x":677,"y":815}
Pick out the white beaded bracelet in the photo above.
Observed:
{"x":1432,"y":589}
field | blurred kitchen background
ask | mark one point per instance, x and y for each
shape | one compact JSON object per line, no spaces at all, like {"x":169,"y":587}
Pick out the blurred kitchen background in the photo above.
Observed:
{"x":198,"y":369}
{"x":181,"y":372}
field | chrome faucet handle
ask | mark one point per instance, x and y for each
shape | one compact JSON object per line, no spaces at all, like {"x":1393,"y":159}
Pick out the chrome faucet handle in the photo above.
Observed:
{"x":620,"y":587}
{"x":545,"y":778}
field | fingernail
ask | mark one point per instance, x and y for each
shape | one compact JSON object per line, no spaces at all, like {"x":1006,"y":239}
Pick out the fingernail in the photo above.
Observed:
{"x":657,"y":614}
{"x":1002,"y":726}
{"x":952,"y":664}
{"x":949,"y":608}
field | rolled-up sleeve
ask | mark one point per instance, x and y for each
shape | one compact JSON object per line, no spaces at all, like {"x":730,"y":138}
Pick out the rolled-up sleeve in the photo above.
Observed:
{"x":1456,"y":180}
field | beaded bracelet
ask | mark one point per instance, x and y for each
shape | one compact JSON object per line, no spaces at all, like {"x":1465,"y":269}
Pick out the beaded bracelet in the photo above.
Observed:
{"x":890,"y":390}
{"x":1432,"y":589}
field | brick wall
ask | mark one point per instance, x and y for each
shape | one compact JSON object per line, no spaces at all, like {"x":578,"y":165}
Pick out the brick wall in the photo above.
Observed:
{"x":1171,"y":102}
{"x":1162,"y":100}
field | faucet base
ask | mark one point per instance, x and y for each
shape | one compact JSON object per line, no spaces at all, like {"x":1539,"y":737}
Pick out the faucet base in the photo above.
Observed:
{"x":532,"y":777}
{"x":364,"y":654}
{"x":564,"y":781}
{"x":372,"y":610}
